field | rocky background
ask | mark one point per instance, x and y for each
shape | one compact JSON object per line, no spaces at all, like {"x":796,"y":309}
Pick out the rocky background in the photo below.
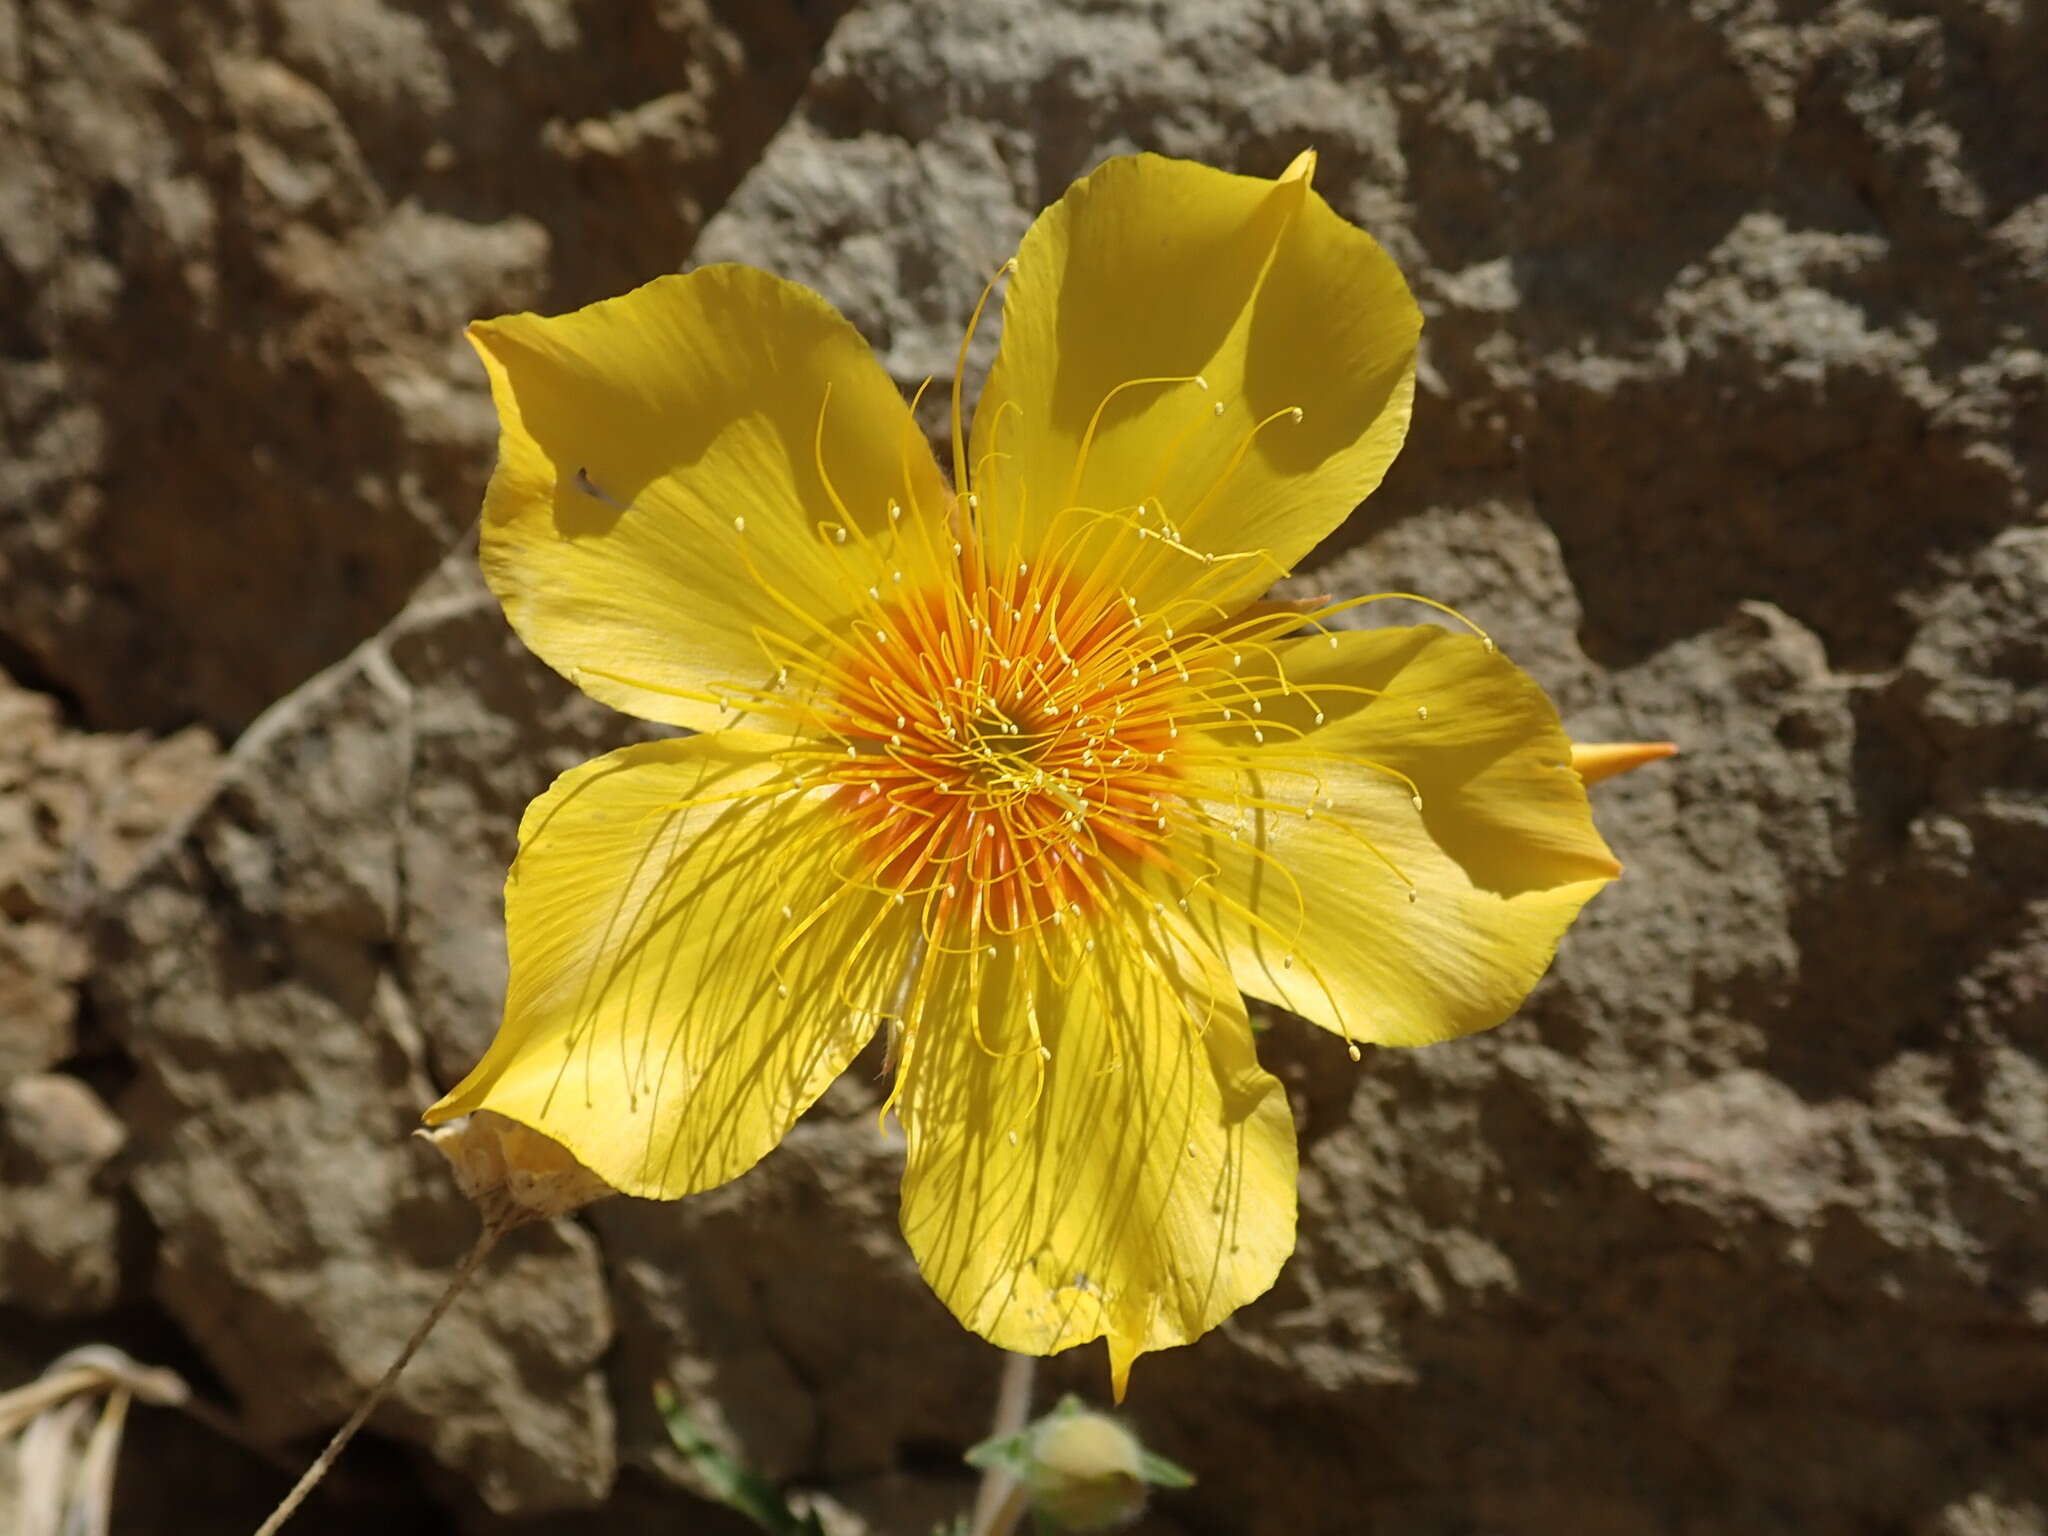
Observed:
{"x":1731,"y":428}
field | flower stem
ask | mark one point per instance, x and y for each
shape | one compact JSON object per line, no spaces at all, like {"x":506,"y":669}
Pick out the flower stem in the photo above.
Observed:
{"x":1000,"y":1501}
{"x":486,"y":1240}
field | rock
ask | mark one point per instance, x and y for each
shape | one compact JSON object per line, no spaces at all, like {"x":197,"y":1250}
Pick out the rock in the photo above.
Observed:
{"x":77,"y":811}
{"x":257,"y":973}
{"x":1730,"y":427}
{"x":301,"y":204}
{"x":59,"y":1221}
{"x":38,"y":964}
{"x":719,"y":1296}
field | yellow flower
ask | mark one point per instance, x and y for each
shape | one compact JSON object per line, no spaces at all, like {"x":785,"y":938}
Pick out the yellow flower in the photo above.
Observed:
{"x":1026,"y":774}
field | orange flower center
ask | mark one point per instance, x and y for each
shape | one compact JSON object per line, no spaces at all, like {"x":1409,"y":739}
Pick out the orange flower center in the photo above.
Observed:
{"x":1011,"y":743}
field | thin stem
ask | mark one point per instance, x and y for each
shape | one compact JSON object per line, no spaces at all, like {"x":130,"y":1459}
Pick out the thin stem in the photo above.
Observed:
{"x":1004,"y":1520}
{"x":486,"y":1240}
{"x":1000,"y":1501}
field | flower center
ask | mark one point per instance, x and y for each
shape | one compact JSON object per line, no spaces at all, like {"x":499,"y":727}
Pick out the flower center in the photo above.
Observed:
{"x":1010,"y":747}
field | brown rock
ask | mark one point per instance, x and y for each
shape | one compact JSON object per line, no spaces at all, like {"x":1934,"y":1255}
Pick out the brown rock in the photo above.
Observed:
{"x":39,"y":963}
{"x":77,"y":811}
{"x":1730,"y":428}
{"x":254,"y":974}
{"x":238,"y":245}
{"x":59,"y":1223}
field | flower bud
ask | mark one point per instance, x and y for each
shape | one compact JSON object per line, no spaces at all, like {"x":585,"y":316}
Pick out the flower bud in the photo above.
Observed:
{"x":1086,"y":1472}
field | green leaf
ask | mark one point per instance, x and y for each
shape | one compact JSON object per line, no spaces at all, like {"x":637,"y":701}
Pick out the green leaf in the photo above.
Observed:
{"x":1003,"y":1453}
{"x":1161,"y":1473}
{"x":726,"y":1480}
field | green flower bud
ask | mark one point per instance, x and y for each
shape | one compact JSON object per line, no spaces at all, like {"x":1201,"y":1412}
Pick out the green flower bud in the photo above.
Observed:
{"x":1085,"y":1473}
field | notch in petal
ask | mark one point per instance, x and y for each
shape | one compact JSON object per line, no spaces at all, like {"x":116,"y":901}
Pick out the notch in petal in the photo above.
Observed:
{"x":1135,"y":1181}
{"x":1219,"y":358}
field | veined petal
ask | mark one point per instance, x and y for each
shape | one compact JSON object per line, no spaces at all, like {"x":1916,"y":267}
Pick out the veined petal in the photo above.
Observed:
{"x":1146,"y":274}
{"x":690,"y":965}
{"x":694,"y":479}
{"x":1342,"y":899}
{"x":1134,"y":1181}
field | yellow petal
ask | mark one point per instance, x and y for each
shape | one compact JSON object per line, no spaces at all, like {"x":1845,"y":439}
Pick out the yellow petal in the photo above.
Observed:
{"x":1311,"y":901}
{"x":673,"y":482}
{"x":1162,"y":270}
{"x":1597,"y":760}
{"x":689,"y":967}
{"x":1135,"y":1182}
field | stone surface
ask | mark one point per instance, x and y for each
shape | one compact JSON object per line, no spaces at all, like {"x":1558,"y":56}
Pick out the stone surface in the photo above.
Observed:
{"x":77,"y":811}
{"x":256,"y":974}
{"x":59,"y":1223}
{"x":1730,"y":428}
{"x":300,"y":203}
